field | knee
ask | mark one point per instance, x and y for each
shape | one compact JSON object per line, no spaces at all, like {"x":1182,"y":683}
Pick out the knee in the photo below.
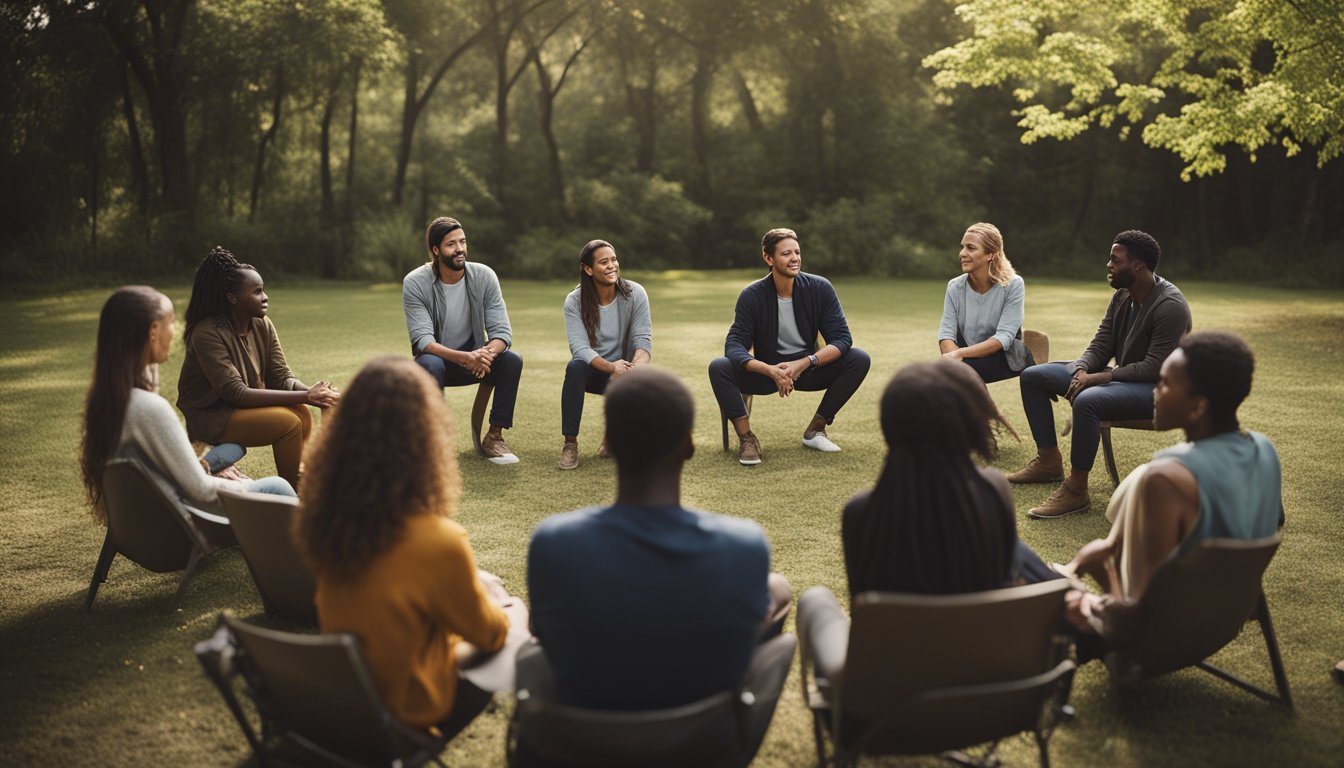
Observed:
{"x":856,"y":359}
{"x":433,"y":365}
{"x":509,"y":363}
{"x":1090,"y":403}
{"x":576,"y":369}
{"x":720,"y":367}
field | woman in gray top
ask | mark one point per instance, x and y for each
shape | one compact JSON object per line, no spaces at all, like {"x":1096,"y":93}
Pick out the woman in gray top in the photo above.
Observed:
{"x":982,"y":311}
{"x":610,"y":332}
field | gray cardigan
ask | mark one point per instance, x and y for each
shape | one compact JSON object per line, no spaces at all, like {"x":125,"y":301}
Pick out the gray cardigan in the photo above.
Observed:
{"x":635,"y":320}
{"x":1157,"y":327}
{"x":489,"y":316}
{"x":997,"y":314}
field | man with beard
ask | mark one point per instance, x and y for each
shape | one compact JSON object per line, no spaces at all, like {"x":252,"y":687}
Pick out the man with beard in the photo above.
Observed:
{"x":1145,"y":321}
{"x":772,"y":347}
{"x":459,"y":328}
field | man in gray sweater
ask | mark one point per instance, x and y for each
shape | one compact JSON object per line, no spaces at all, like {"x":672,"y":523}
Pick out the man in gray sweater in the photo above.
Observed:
{"x":1143,"y":324}
{"x":459,"y":328}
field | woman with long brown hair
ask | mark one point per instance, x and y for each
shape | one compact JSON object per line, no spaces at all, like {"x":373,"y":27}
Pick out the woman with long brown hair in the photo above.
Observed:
{"x":125,"y":417}
{"x":235,"y":385}
{"x":392,"y":567}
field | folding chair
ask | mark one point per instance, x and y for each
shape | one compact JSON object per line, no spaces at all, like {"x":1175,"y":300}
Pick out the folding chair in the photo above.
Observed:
{"x":924,"y":674}
{"x":153,"y":529}
{"x":478,"y":409}
{"x":1039,"y":344}
{"x":310,"y":691}
{"x":261,"y":522}
{"x":1108,"y":452}
{"x":724,"y":729}
{"x":1197,"y":603}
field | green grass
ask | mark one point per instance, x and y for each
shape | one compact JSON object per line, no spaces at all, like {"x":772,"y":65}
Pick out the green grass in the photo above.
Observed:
{"x":119,"y":685}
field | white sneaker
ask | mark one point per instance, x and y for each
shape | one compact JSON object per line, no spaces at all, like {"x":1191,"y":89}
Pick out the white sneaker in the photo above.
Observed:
{"x":820,"y":442}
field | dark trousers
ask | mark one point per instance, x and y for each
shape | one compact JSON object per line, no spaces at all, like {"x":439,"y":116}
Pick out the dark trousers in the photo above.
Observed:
{"x":504,"y":375}
{"x":840,"y":379}
{"x":991,"y":369}
{"x":580,"y":377}
{"x":1118,"y":400}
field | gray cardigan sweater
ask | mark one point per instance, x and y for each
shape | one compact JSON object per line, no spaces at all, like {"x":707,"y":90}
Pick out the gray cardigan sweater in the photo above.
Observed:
{"x":1156,"y":328}
{"x":489,"y":316}
{"x":633,"y":313}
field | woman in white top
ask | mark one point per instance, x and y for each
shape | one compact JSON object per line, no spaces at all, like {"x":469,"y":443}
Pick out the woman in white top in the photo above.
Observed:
{"x":982,"y":311}
{"x":125,"y":417}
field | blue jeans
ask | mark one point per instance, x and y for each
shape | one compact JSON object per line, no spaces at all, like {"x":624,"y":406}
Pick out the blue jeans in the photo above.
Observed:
{"x":840,"y":379}
{"x":1118,"y":400}
{"x":580,"y":377}
{"x":504,"y":374}
{"x":277,"y":486}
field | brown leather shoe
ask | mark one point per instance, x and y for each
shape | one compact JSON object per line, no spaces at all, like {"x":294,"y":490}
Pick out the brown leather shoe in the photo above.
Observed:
{"x":1039,"y":470}
{"x":569,"y":455}
{"x":749,"y":454}
{"x":496,"y":450}
{"x":602,"y":452}
{"x":1064,"y":501}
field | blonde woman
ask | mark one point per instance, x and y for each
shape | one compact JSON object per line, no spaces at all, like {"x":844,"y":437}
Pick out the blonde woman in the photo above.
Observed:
{"x":983,"y":308}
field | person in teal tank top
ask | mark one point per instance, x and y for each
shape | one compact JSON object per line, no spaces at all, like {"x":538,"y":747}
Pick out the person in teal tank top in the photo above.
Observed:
{"x":1223,"y":482}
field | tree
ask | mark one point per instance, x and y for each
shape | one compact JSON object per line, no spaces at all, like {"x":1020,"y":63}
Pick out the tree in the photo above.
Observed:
{"x":1199,"y":76}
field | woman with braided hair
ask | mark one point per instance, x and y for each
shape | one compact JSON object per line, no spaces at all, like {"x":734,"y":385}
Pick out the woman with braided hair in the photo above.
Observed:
{"x":235,"y":385}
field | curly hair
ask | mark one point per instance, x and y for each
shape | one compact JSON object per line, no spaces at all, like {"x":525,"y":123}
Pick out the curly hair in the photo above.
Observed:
{"x":1141,"y":246}
{"x":384,"y":455}
{"x":123,"y":332}
{"x":219,"y":274}
{"x":1220,"y":366}
{"x":923,"y":531}
{"x":1001,"y":270}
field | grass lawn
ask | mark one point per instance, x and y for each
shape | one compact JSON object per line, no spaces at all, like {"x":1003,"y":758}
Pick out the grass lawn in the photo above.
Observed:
{"x":120,"y":686}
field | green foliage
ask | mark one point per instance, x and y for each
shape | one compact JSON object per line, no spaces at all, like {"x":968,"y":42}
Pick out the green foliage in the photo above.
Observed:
{"x":1200,"y":76}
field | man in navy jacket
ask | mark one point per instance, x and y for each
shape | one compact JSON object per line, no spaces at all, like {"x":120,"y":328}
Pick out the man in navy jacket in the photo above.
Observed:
{"x":772,"y":346}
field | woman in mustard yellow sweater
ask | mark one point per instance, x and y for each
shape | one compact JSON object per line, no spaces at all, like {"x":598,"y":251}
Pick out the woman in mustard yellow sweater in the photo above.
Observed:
{"x":392,"y":567}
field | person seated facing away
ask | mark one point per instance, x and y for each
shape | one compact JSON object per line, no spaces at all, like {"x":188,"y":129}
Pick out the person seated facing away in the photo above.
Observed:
{"x":778,"y":318}
{"x":392,"y":567}
{"x":1222,"y":483}
{"x":124,"y":416}
{"x":983,"y":309}
{"x":610,"y":332}
{"x":235,"y":385}
{"x":646,"y":604}
{"x":459,"y":328}
{"x":1143,"y":323}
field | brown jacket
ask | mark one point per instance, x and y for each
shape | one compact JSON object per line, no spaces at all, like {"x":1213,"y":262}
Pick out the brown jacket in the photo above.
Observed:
{"x":217,"y":372}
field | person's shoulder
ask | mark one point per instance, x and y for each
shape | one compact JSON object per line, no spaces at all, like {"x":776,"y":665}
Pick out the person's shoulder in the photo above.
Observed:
{"x":957,"y":282}
{"x":566,"y":524}
{"x":479,"y":269}
{"x":429,"y":531}
{"x":737,"y":529}
{"x":636,"y":290}
{"x":575,"y":296}
{"x":420,"y":275}
{"x":758,"y":286}
{"x":145,"y":404}
{"x":1016,"y":283}
{"x":813,"y":280}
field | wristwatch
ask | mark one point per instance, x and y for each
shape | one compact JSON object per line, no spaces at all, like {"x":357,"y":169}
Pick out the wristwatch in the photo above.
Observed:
{"x":813,"y":360}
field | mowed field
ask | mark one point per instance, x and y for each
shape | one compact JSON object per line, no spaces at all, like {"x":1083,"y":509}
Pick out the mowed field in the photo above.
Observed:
{"x":119,"y":685}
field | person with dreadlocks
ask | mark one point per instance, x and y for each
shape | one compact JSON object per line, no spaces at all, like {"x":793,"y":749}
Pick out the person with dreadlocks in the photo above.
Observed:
{"x":935,"y":523}
{"x":235,"y":385}
{"x":124,"y":416}
{"x":610,"y":332}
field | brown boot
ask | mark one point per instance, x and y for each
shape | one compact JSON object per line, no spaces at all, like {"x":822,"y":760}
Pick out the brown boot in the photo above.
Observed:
{"x":749,"y":453}
{"x":1039,"y":470}
{"x":602,"y":452}
{"x":496,"y":450}
{"x":569,"y":455}
{"x":1064,"y":501}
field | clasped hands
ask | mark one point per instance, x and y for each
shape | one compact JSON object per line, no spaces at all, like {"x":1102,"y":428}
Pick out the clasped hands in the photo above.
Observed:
{"x":323,"y":395}
{"x":787,"y":373}
{"x":1082,"y":380}
{"x":478,"y":361}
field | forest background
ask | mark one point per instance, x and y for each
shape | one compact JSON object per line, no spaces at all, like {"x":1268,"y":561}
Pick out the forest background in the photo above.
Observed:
{"x":318,"y":137}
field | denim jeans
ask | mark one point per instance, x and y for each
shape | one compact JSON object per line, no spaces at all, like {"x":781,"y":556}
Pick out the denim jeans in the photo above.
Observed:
{"x":580,"y":377}
{"x":840,"y":379}
{"x":277,"y":486}
{"x":504,"y":374}
{"x":1118,"y":400}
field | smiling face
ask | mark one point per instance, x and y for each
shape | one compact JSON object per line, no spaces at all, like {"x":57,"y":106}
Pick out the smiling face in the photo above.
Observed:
{"x":606,"y":270}
{"x":787,"y":259}
{"x":451,"y":251}
{"x":974,"y":257}
{"x":1121,"y":268}
{"x":250,"y":299}
{"x":161,"y":332}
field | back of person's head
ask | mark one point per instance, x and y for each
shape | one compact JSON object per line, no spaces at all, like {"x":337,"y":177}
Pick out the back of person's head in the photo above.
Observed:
{"x":1141,"y":246}
{"x":1220,"y":366}
{"x":926,"y":529}
{"x":384,"y":454}
{"x":118,"y":367}
{"x":219,"y":274}
{"x":650,"y":414}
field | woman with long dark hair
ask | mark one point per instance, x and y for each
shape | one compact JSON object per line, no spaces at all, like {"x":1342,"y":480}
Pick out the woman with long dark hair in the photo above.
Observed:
{"x":984,"y":307}
{"x":125,"y":417}
{"x":235,"y":385}
{"x":610,"y":332}
{"x":392,"y":567}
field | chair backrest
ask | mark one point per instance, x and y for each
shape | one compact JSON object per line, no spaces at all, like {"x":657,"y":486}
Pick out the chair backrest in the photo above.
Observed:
{"x":904,"y":647}
{"x":317,"y":687}
{"x":1039,"y":344}
{"x":147,"y":526}
{"x":1195,"y":604}
{"x":703,"y":733}
{"x":261,"y":522}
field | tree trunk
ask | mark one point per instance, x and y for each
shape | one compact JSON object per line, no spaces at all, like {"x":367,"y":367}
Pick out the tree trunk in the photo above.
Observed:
{"x":139,"y":171}
{"x":267,"y":138}
{"x":555,"y":180}
{"x":749,"y":110}
{"x":642,"y":103}
{"x":410,"y":113}
{"x":349,"y":217}
{"x":327,"y":210}
{"x":700,"y":85}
